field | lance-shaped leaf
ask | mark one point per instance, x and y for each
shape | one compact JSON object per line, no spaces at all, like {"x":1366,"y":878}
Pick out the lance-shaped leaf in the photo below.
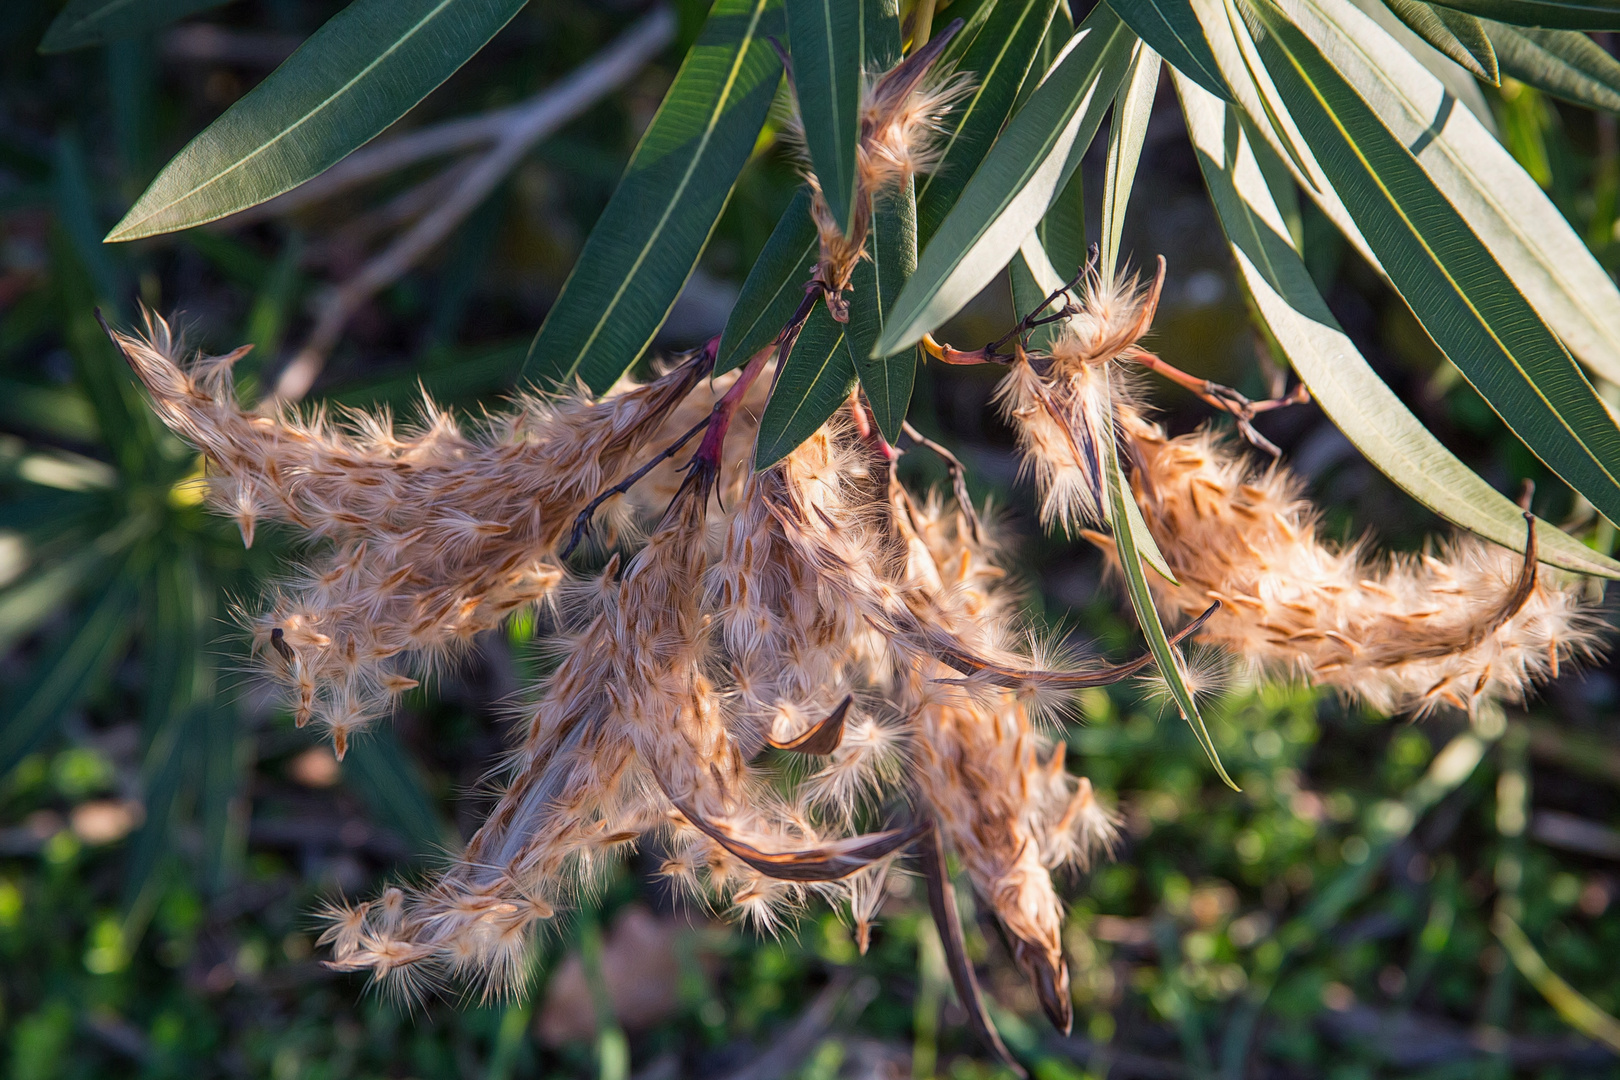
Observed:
{"x":1459,"y":35}
{"x":1127,"y":529}
{"x":828,"y":41}
{"x":1027,"y":166}
{"x":773,"y":288}
{"x":884,"y":45}
{"x":1457,"y":290}
{"x":1173,"y":31}
{"x":815,"y":380}
{"x":1557,"y":14}
{"x":95,"y":22}
{"x":1527,"y":236}
{"x":648,"y":239}
{"x":1579,"y":1011}
{"x":67,"y":673}
{"x":892,"y":245}
{"x":356,"y":75}
{"x":1564,"y":63}
{"x":1133,"y":108}
{"x":1340,"y":380}
{"x":1000,"y":57}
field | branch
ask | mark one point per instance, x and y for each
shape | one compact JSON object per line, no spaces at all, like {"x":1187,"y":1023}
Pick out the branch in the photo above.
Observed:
{"x":537,"y":119}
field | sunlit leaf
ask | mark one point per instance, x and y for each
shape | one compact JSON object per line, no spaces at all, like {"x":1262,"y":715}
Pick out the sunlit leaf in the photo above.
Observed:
{"x":1457,"y":291}
{"x":1000,"y":57}
{"x":1173,"y":31}
{"x":816,"y":379}
{"x":828,"y":42}
{"x":1340,"y":380}
{"x":1457,"y":34}
{"x":1024,"y":170}
{"x":1133,"y":108}
{"x":1564,"y":63}
{"x":648,"y":239}
{"x":361,"y":71}
{"x":1559,"y":14}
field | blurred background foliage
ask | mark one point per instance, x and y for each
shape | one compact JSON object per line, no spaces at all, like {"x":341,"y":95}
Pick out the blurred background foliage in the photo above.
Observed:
{"x":166,"y":835}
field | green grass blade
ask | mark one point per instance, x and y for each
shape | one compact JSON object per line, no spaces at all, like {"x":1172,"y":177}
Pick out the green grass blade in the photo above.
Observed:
{"x":226,"y":753}
{"x":1172,"y":30}
{"x":1133,"y":107}
{"x":999,"y":58}
{"x":649,"y":238}
{"x":83,"y":23}
{"x":354,"y":77}
{"x":1576,"y":1008}
{"x":1553,"y":14}
{"x":876,"y":282}
{"x":67,"y":674}
{"x":1564,"y":63}
{"x":816,"y":379}
{"x":828,"y":42}
{"x":383,"y":774}
{"x":774,"y":286}
{"x":1340,"y":380}
{"x":1510,"y":214}
{"x":1457,"y":34}
{"x":1025,"y":169}
{"x":1456,"y":289}
{"x":1120,"y":501}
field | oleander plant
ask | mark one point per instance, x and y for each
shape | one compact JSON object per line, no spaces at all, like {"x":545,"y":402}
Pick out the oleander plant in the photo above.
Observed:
{"x":751,"y":658}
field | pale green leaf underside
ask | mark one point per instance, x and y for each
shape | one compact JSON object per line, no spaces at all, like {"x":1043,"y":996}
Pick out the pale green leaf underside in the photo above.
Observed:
{"x":361,"y":71}
{"x":1458,"y":35}
{"x":1028,"y":165}
{"x":1564,"y":63}
{"x":1339,"y":378}
{"x":1132,"y":110}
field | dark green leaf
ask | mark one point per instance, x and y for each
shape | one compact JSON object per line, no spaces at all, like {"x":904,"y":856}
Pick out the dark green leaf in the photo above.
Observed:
{"x":1564,"y":63}
{"x":1559,"y":14}
{"x":815,"y":380}
{"x":973,"y":13}
{"x":655,"y":227}
{"x":1455,"y":288}
{"x":877,"y":281}
{"x":1062,"y":232}
{"x":883,"y":44}
{"x":1173,"y":31}
{"x":354,"y":77}
{"x":93,"y":22}
{"x":1457,"y":34}
{"x":1339,"y":378}
{"x":828,"y":42}
{"x":69,"y":672}
{"x":382,"y":772}
{"x":999,"y":59}
{"x":774,"y":287}
{"x":1010,"y":192}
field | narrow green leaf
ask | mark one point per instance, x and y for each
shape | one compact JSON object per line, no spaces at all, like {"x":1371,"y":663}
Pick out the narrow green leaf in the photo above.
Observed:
{"x":383,"y":774}
{"x":1340,"y":380}
{"x":1062,"y":231}
{"x":1133,"y":108}
{"x":95,"y":22}
{"x":1459,"y":35}
{"x":1120,"y":501}
{"x":973,"y":13}
{"x":774,"y":287}
{"x":361,"y":71}
{"x":877,"y":281}
{"x":1027,"y":166}
{"x":1525,"y":233}
{"x":48,"y":410}
{"x":27,"y":603}
{"x":814,"y":381}
{"x":883,"y":45}
{"x":1000,"y":59}
{"x":649,"y":238}
{"x":1556,"y":14}
{"x":828,"y":42}
{"x":67,"y":674}
{"x":1458,"y":292}
{"x":1174,"y":32}
{"x":1564,"y":63}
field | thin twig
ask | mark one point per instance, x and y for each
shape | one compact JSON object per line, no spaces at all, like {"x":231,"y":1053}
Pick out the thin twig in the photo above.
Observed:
{"x":562,"y":103}
{"x":958,"y":473}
